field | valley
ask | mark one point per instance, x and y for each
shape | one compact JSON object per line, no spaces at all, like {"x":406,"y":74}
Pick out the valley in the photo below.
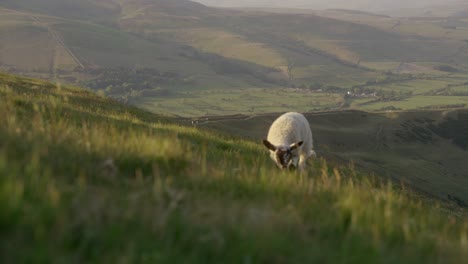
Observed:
{"x":131,"y":131}
{"x":182,"y":53}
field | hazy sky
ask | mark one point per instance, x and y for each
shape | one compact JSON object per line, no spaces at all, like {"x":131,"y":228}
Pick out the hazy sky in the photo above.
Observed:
{"x":372,"y":5}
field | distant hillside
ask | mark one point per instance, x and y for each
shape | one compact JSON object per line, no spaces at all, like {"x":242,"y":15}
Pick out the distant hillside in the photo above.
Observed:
{"x":68,"y":40}
{"x":170,"y":55}
{"x":457,"y":8}
{"x":367,"y":5}
{"x":94,"y":10}
{"x":89,"y":180}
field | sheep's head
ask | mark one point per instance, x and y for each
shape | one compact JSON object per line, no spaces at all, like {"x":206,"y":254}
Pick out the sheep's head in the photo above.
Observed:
{"x":284,"y":156}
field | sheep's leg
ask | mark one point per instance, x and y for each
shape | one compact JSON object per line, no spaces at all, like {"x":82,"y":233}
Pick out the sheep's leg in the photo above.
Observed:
{"x":303,"y":159}
{"x":302,"y":162}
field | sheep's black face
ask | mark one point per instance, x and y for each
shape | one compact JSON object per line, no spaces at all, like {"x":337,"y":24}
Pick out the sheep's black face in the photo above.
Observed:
{"x":283,"y":155}
{"x":284,"y":158}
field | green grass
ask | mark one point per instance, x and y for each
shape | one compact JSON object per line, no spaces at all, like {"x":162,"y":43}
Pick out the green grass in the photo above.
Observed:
{"x":460,"y":89}
{"x":214,"y":50}
{"x":246,"y":101}
{"x":420,"y":40}
{"x":416,"y":86}
{"x":416,"y":102}
{"x":101,"y":45}
{"x":99,"y":11}
{"x":229,"y":45}
{"x":23,"y":42}
{"x":90,"y":180}
{"x":336,"y":75}
{"x":424,"y":149}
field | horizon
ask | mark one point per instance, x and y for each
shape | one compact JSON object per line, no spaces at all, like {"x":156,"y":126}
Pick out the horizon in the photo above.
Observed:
{"x":364,"y":5}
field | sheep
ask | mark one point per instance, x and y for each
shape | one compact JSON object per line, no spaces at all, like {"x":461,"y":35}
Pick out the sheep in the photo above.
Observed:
{"x":290,"y":141}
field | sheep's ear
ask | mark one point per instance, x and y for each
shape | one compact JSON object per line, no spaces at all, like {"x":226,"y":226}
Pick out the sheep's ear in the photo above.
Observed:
{"x":269,"y":145}
{"x":296,"y":145}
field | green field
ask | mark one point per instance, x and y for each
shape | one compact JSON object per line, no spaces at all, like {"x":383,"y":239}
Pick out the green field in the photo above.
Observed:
{"x":245,"y":101}
{"x":100,"y":46}
{"x":206,"y":56}
{"x":86,"y":179}
{"x":417,"y":102}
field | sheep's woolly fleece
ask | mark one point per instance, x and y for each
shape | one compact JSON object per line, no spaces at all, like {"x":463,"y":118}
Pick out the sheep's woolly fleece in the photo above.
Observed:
{"x":289,"y":129}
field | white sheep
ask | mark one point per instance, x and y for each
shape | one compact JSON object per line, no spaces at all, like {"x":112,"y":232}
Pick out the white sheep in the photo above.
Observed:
{"x":290,"y":141}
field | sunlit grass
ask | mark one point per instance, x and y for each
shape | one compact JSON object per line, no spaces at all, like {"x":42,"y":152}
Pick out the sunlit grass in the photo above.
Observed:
{"x":245,"y":101}
{"x":231,"y":46}
{"x":84,"y":179}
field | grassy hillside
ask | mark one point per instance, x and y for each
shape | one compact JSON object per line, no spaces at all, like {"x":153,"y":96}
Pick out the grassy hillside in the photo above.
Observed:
{"x":180,"y":57}
{"x":157,"y":54}
{"x":85,"y":179}
{"x":93,"y":48}
{"x":103,"y":11}
{"x":447,"y":32}
{"x":442,"y":9}
{"x":424,"y":149}
{"x":321,"y":53}
{"x":367,"y":5}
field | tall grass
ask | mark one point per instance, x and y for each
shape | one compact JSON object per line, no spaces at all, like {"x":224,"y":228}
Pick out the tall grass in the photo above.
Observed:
{"x":87,"y":180}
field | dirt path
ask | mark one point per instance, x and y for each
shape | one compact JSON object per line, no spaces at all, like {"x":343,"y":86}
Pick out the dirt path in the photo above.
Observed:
{"x":196,"y":121}
{"x":58,"y":39}
{"x":55,"y":36}
{"x":218,"y":119}
{"x":207,"y":120}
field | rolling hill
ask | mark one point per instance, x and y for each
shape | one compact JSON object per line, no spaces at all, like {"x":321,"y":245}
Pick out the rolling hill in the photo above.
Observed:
{"x":88,"y":179}
{"x":424,"y":149}
{"x":98,"y":46}
{"x":367,"y":5}
{"x":173,"y":56}
{"x":456,"y":8}
{"x":165,"y":54}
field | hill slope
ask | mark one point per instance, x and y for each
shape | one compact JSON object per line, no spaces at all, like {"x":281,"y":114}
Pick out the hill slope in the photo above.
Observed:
{"x":101,"y":47}
{"x":424,"y":149}
{"x":368,"y":5}
{"x":85,"y":179}
{"x":157,"y":54}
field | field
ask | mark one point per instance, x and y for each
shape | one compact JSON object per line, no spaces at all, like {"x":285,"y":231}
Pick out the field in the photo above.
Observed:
{"x":89,"y":179}
{"x":418,"y":102}
{"x":86,"y":179}
{"x":245,"y":101}
{"x":201,"y":54}
{"x":89,"y":45}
